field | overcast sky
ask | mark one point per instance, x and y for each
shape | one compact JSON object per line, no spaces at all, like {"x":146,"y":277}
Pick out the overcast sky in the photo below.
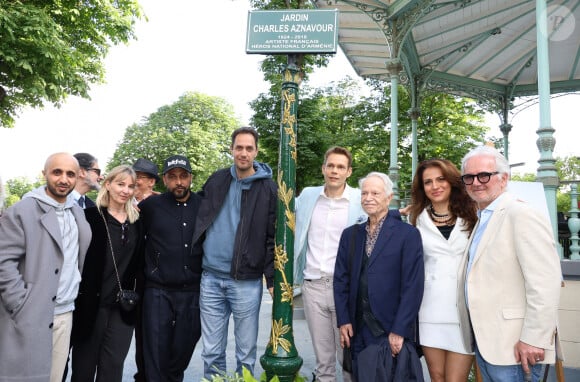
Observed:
{"x":195,"y":45}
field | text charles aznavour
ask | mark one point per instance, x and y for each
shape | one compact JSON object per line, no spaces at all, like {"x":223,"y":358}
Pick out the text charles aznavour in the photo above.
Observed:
{"x":293,"y":28}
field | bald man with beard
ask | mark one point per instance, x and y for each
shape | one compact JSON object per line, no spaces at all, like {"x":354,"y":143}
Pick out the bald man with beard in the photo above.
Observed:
{"x":43,"y":241}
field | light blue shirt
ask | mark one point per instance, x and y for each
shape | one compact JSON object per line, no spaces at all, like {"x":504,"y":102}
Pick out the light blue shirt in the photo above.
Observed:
{"x":484,"y":216}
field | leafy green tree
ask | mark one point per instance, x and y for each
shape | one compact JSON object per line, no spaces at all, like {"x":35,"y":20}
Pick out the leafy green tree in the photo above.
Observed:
{"x":448,"y":127}
{"x":568,"y":168}
{"x":10,"y":200}
{"x":527,"y":177}
{"x":17,"y":187}
{"x":52,"y":49}
{"x":563,"y":202}
{"x":196,"y":125}
{"x":339,"y":115}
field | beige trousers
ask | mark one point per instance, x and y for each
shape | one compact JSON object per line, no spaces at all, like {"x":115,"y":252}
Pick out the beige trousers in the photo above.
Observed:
{"x":318,"y":298}
{"x":61,"y":330}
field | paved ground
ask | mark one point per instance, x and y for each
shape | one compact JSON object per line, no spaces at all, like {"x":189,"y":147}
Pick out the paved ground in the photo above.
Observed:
{"x":195,"y":370}
{"x":302,"y":341}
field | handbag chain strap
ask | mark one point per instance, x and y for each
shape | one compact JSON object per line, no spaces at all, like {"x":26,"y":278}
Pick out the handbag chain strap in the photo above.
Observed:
{"x":111,"y":247}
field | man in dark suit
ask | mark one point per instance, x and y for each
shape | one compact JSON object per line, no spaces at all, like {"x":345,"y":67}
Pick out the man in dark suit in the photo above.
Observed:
{"x":378,"y":275}
{"x":89,"y":179}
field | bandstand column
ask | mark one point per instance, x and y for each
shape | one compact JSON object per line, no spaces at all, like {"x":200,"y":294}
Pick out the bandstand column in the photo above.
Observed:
{"x":414,"y":113}
{"x":394,"y":67}
{"x":546,"y":142}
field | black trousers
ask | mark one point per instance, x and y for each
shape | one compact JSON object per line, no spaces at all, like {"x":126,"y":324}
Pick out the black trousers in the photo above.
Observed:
{"x":139,"y":360}
{"x":171,"y":328}
{"x":104,"y":352}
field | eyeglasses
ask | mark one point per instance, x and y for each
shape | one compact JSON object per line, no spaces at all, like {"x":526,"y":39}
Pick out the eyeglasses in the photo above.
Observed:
{"x":144,"y":177}
{"x":482,"y":177}
{"x":96,"y":170}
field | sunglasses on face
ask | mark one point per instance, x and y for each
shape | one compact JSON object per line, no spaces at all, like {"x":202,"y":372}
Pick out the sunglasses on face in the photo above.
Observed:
{"x":482,"y":177}
{"x":96,"y":170}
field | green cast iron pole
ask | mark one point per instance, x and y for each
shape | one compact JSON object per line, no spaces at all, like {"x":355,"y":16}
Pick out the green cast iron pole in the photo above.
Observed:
{"x":281,"y":357}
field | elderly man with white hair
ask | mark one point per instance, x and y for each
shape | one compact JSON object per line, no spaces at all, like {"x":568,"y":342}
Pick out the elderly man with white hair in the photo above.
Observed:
{"x":378,"y":279}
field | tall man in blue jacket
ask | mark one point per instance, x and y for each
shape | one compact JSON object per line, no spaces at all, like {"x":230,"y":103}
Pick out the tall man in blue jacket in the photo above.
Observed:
{"x":170,"y":325}
{"x":236,"y":224}
{"x":322,"y":213}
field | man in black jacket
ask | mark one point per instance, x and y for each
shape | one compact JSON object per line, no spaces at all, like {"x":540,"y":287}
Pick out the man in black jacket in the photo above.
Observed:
{"x":171,"y":325}
{"x":236,"y":229}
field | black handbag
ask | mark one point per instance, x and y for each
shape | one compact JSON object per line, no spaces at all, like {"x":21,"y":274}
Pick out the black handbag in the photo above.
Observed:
{"x":127,"y":299}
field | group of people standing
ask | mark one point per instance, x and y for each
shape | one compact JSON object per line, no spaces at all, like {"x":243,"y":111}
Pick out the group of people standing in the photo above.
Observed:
{"x":475,"y":274}
{"x":172,"y":266}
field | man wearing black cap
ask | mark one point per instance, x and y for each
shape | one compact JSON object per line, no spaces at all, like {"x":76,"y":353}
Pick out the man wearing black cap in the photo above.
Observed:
{"x":171,"y":323}
{"x":146,"y":179}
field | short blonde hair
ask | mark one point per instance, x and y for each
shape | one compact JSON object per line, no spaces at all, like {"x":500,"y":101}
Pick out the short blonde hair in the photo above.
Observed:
{"x":119,"y":172}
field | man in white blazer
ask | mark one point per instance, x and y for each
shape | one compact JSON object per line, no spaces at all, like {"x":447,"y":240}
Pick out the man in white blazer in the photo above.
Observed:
{"x":512,"y":276}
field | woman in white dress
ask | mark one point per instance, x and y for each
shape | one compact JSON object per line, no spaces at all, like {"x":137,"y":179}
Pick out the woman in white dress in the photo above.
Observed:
{"x":445,"y":216}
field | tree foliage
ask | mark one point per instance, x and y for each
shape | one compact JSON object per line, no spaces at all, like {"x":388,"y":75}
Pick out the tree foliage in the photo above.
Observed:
{"x":52,"y":49}
{"x":343,"y":115}
{"x":568,"y":168}
{"x":527,"y":177}
{"x":21,"y":185}
{"x":273,"y":65}
{"x":17,"y":187}
{"x":196,"y":125}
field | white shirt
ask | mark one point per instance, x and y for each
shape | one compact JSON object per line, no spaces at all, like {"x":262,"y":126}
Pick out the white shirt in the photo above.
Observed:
{"x":329,"y":219}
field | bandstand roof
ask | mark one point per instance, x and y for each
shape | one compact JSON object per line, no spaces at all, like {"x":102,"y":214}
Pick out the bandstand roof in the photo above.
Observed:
{"x":485,"y":49}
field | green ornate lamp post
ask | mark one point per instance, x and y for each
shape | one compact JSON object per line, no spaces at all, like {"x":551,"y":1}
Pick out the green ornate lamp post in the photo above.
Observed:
{"x":281,"y":357}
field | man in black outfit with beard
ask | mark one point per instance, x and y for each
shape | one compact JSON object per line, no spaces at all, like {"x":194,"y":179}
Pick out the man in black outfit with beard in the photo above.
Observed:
{"x":170,"y":323}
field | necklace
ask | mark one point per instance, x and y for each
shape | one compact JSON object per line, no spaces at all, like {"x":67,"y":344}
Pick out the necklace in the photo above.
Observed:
{"x":434,"y":213}
{"x":440,"y":219}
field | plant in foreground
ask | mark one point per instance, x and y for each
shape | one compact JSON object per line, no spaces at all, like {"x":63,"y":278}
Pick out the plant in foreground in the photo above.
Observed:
{"x":223,"y":376}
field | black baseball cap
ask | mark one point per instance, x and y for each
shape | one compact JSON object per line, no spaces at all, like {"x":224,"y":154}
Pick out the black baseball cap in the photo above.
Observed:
{"x":176,"y":161}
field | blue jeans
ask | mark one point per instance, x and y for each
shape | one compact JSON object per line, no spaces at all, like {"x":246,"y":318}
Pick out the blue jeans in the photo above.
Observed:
{"x":219,"y":298}
{"x":505,"y":373}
